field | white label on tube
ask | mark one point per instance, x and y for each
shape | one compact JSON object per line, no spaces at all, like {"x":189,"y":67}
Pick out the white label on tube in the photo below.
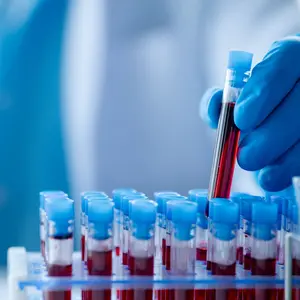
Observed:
{"x":99,"y":245}
{"x":83,"y":230}
{"x":60,"y":252}
{"x":42,"y":232}
{"x":125,"y":241}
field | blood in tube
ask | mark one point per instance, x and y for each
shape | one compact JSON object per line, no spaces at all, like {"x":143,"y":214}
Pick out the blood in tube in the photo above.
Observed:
{"x":163,"y":251}
{"x":99,"y":264}
{"x":82,"y":246}
{"x":168,"y":257}
{"x":201,"y":254}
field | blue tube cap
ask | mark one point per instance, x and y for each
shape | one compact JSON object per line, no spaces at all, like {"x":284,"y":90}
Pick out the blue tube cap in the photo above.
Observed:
{"x":184,"y":218}
{"x":225,"y":212}
{"x":128,"y":197}
{"x":49,"y":194}
{"x":201,"y":200}
{"x":265,"y":213}
{"x":193,"y":194}
{"x":295,"y":214}
{"x":86,"y":194}
{"x":240,"y":60}
{"x":96,"y":197}
{"x":160,"y":198}
{"x":168,"y":198}
{"x":246,"y":206}
{"x":213,"y":202}
{"x":118,"y":193}
{"x":60,"y":209}
{"x":143,"y":217}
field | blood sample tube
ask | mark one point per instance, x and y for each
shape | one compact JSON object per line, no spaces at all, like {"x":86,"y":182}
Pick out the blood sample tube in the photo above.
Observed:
{"x":43,"y":217}
{"x":264,"y":250}
{"x":192,"y":194}
{"x":100,"y":245}
{"x":141,"y":245}
{"x":239,"y":65}
{"x":126,"y":222}
{"x":93,"y":195}
{"x":278,"y":200}
{"x":161,"y":198}
{"x":60,"y":213}
{"x":225,"y":222}
{"x":201,"y":228}
{"x":117,"y":193}
{"x":246,"y":208}
{"x":183,"y":254}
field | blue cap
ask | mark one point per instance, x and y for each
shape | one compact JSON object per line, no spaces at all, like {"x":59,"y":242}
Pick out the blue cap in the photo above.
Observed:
{"x":169,"y":207}
{"x":101,"y":215}
{"x":239,"y":60}
{"x":125,"y":198}
{"x":168,"y":198}
{"x":61,"y":212}
{"x":194,"y":192}
{"x":118,"y":193}
{"x":160,"y":198}
{"x":96,"y":198}
{"x":295,"y":214}
{"x":211,"y":204}
{"x":246,"y":206}
{"x":86,"y":194}
{"x":49,"y":194}
{"x":143,"y":217}
{"x":264,"y":220}
{"x":201,"y":200}
{"x":131,"y":201}
{"x":184,"y":217}
{"x":225,"y":212}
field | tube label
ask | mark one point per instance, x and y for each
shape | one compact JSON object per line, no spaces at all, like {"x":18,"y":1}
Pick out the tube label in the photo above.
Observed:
{"x":60,"y":252}
{"x":99,"y":245}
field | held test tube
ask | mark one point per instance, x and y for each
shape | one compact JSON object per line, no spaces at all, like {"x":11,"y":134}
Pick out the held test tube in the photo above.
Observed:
{"x":117,"y":194}
{"x":60,"y":212}
{"x":142,"y":244}
{"x":100,"y":245}
{"x":183,"y":254}
{"x":237,"y":74}
{"x":43,"y":217}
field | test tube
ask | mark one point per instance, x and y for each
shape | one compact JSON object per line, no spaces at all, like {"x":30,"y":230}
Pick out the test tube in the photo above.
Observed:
{"x":264,"y":250}
{"x":237,"y":74}
{"x":160,"y":198}
{"x":60,"y":213}
{"x":86,"y":198}
{"x":183,"y":254}
{"x":43,"y":217}
{"x":117,"y":193}
{"x":126,"y":222}
{"x":201,"y":228}
{"x":192,"y":194}
{"x":159,"y":224}
{"x":100,"y":245}
{"x":246,"y":208}
{"x":167,"y":211}
{"x":142,"y":244}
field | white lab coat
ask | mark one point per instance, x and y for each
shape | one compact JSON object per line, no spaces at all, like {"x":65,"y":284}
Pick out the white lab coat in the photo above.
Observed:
{"x":131,"y":96}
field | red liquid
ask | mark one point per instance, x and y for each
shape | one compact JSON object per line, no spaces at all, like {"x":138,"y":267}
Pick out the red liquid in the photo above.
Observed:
{"x":99,"y":264}
{"x":201,"y":254}
{"x":163,"y":251}
{"x":125,"y":259}
{"x":240,"y":255}
{"x":117,"y":250}
{"x":263,"y":267}
{"x":220,"y":294}
{"x":141,"y":266}
{"x":168,"y":258}
{"x":296,"y":272}
{"x":225,"y":154}
{"x":180,"y":295}
{"x":247,"y":262}
{"x":199,"y":295}
{"x":208,"y":265}
{"x":43,"y":249}
{"x":222,"y":270}
{"x":260,"y":294}
{"x":82,"y":247}
{"x":61,"y":271}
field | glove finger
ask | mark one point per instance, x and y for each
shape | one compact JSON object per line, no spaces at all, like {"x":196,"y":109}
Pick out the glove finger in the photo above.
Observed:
{"x":276,"y":135}
{"x":278,"y":176}
{"x":210,"y":106}
{"x":271,"y":80}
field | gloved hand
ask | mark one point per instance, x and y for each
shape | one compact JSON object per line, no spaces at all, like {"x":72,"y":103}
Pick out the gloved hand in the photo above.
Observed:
{"x":268,"y":115}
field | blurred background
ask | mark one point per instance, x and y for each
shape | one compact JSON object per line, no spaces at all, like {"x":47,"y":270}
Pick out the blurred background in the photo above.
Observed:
{"x":100,"y":94}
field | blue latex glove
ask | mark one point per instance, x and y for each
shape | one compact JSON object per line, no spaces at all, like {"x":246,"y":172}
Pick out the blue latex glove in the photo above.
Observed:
{"x":268,"y":115}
